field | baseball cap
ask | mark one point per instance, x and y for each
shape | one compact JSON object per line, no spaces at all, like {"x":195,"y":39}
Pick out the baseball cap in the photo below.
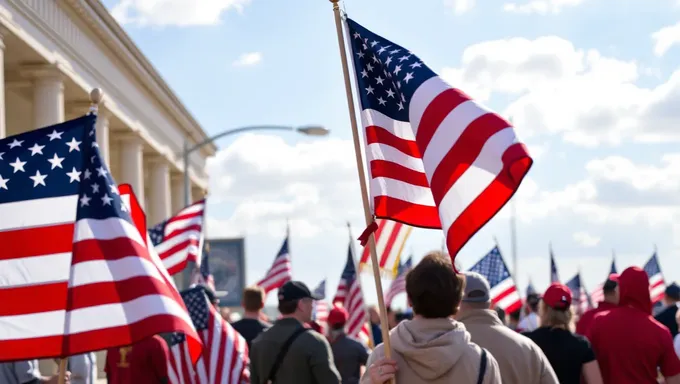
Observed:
{"x":557,"y":296}
{"x":337,"y":315}
{"x":296,"y":290}
{"x":673,"y":291}
{"x":611,"y":283}
{"x":476,"y":288}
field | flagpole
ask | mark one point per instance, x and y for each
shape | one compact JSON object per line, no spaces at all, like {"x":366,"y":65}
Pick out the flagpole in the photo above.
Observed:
{"x":361,"y":286}
{"x":362,"y":181}
{"x":513,"y":236}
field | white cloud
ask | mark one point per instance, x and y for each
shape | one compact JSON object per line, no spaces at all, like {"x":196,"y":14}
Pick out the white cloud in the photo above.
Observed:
{"x":248,"y":59}
{"x":541,"y":6}
{"x":174,"y":12}
{"x":585,"y":239}
{"x":460,"y":6}
{"x":665,"y":38}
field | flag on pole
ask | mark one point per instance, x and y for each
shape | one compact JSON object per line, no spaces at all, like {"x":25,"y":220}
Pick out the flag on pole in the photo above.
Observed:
{"x":69,"y":242}
{"x":657,"y":284}
{"x":280,"y":272}
{"x":504,"y":293}
{"x":399,"y":284}
{"x":320,"y":310}
{"x":581,"y":300}
{"x":554,"y":276}
{"x":202,"y":274}
{"x":390,"y":238}
{"x":350,"y":295}
{"x":225,"y":356}
{"x":598,"y":293}
{"x":530,"y":289}
{"x":178,"y":239}
{"x":436,"y":158}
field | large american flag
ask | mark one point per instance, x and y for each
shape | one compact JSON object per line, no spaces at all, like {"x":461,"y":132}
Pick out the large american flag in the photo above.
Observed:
{"x":657,"y":284}
{"x":580,"y":299}
{"x":179,"y":238}
{"x":225,"y":356}
{"x":390,"y":238}
{"x":598,"y":294}
{"x":70,"y":244}
{"x":320,"y":310}
{"x":436,"y":158}
{"x":351,"y":296}
{"x":399,"y":284}
{"x":504,"y":293}
{"x":554,"y":276}
{"x":280,"y":272}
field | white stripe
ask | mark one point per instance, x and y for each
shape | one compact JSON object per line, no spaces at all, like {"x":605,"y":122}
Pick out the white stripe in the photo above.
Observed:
{"x":400,"y":129}
{"x":182,"y":224}
{"x":392,"y":261}
{"x":103,"y":271}
{"x":202,"y":374}
{"x":501,"y":287}
{"x":175,"y":377}
{"x":215,"y":347}
{"x":106,"y":229}
{"x":401,"y":190}
{"x":35,"y":270}
{"x":38,"y":212}
{"x":195,"y":208}
{"x":380,"y":151}
{"x":168,"y":244}
{"x":388,"y":228}
{"x":509,"y":300}
{"x":422,"y":98}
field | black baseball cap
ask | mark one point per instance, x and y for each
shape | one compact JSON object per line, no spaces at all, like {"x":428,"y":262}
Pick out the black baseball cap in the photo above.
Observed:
{"x":673,"y":291}
{"x":296,"y":290}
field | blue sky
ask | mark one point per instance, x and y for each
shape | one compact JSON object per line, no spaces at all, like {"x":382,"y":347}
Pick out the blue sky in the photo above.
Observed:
{"x":587,"y":86}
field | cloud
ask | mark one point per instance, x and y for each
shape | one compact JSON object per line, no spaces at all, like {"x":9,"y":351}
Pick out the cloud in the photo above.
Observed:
{"x":181,"y":13}
{"x":460,"y":6}
{"x":585,"y":239}
{"x":541,"y":7}
{"x":248,"y":59}
{"x":665,"y":38}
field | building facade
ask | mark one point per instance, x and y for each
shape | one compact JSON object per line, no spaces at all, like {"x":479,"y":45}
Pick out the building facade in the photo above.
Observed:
{"x":54,"y":52}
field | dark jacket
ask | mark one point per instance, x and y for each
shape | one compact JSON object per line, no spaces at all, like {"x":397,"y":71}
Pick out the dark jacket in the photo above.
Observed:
{"x":667,"y":318}
{"x":309,"y":359}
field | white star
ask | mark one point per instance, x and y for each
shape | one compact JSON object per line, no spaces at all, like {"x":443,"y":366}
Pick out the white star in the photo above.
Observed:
{"x":84,"y":201}
{"x":375,"y":59}
{"x":388,"y":61}
{"x":360,"y":54}
{"x":364,"y":46}
{"x":91,"y":132}
{"x":106,"y":200}
{"x":18,"y":165}
{"x":15,"y":143}
{"x":399,"y":84}
{"x":388,"y":47}
{"x":401,"y":105}
{"x":36,"y":149}
{"x":416,"y":65}
{"x":379,"y":80}
{"x":1,"y":153}
{"x":56,"y":161}
{"x":366,"y":40}
{"x":357,"y":35}
{"x":55,"y":135}
{"x":94,"y":144}
{"x":373,"y":43}
{"x":369,"y":90}
{"x":95,"y":188}
{"x":73,"y":145}
{"x":92,"y":158}
{"x":409,"y":76}
{"x":369,"y":67}
{"x":392,"y":52}
{"x":3,"y":183}
{"x":390,"y":93}
{"x":403,"y":58}
{"x":114,"y":189}
{"x":38,"y":179}
{"x":381,"y":101}
{"x":87,"y":173}
{"x":123,"y":207}
{"x":381,"y":50}
{"x":74,"y":175}
{"x":101,"y":171}
{"x":364,"y":74}
{"x":397,"y":69}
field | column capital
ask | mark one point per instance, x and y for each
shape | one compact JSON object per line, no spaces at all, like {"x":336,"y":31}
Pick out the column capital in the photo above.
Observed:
{"x":129,"y":138}
{"x":82,"y":106}
{"x":157,"y":160}
{"x":41,"y":71}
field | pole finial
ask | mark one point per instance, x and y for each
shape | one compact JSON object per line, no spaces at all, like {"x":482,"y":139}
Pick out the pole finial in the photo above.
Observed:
{"x":96,"y":96}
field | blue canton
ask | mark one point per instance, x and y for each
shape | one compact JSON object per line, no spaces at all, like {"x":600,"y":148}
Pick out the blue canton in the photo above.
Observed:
{"x":492,"y":267}
{"x":387,"y":74}
{"x":403,"y":268}
{"x":157,"y":233}
{"x":574,"y":285}
{"x":197,"y":305}
{"x":284,"y":249}
{"x":321,"y":289}
{"x":57,"y":161}
{"x":205,"y":263}
{"x":349,"y":274}
{"x":652,"y":267}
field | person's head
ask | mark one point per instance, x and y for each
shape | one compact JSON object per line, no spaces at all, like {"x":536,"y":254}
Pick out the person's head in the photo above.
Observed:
{"x":373,"y":315}
{"x":391,"y":317}
{"x":513,"y":317}
{"x":555,"y":308}
{"x":226,"y":314}
{"x":634,"y":289}
{"x":476,"y":293}
{"x":531,"y":304}
{"x":337,"y":318}
{"x":610,"y":288}
{"x":253,"y":299}
{"x":671,"y":295}
{"x":433,"y":289}
{"x":296,"y":301}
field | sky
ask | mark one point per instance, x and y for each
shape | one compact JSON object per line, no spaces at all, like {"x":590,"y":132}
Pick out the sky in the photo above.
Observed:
{"x":591,"y":88}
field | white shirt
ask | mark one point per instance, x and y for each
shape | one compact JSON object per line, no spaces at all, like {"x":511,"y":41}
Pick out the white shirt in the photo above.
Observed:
{"x":676,"y":344}
{"x":528,"y":323}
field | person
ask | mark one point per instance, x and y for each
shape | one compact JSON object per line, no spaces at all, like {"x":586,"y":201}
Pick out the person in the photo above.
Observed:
{"x":349,"y":355}
{"x":433,"y":347}
{"x":519,"y":359}
{"x":374,"y":318}
{"x":143,"y":362}
{"x":667,"y":315}
{"x":530,"y":320}
{"x":513,"y":320}
{"x":570,"y":355}
{"x":307,"y":358}
{"x":631,"y":347}
{"x":251,"y":325}
{"x":83,"y":368}
{"x":611,"y":300}
{"x":500,"y":312}
{"x":27,"y":372}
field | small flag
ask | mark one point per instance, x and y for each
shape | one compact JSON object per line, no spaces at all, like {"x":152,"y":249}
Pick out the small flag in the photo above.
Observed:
{"x":554,"y":276}
{"x":320,"y":310}
{"x":280,"y":272}
{"x":399,"y":284}
{"x":598,"y":293}
{"x":504,"y":293}
{"x":581,"y":300}
{"x":657,"y":284}
{"x":351,"y":296}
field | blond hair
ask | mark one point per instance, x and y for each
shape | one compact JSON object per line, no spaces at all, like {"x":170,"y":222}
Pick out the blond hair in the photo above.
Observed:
{"x":551,"y":317}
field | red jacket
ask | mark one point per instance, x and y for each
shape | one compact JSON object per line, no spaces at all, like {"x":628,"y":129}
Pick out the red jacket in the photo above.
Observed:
{"x":586,"y":319}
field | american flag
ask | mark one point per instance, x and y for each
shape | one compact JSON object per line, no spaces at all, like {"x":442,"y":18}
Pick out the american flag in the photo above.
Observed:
{"x":69,"y":242}
{"x":598,"y":294}
{"x":657,"y":284}
{"x":390,"y":238}
{"x":280,"y":272}
{"x":554,"y":276}
{"x":399,"y":284}
{"x":580,"y":298}
{"x":179,"y":238}
{"x":320,"y":314}
{"x":225,"y":356}
{"x":530,"y":289}
{"x":202,"y":274}
{"x":351,"y":296}
{"x":433,"y":153}
{"x":504,"y":293}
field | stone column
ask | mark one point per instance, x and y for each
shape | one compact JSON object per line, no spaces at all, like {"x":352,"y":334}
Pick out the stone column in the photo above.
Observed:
{"x":159,"y":199}
{"x":178,"y":193}
{"x":103,"y":135}
{"x":48,"y":94}
{"x":132,"y":164}
{"x":3,"y":127}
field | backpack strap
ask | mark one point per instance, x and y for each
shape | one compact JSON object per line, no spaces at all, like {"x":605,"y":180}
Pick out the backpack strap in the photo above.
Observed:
{"x":482,"y":367}
{"x":282,"y":353}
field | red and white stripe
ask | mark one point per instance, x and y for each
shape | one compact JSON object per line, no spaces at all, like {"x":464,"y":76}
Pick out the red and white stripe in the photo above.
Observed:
{"x":452,"y":166}
{"x":390,"y":238}
{"x":321,"y":311}
{"x":657,"y":287}
{"x":182,"y":238}
{"x":583,"y":301}
{"x":505,"y":295}
{"x":398,"y":286}
{"x":352,"y":299}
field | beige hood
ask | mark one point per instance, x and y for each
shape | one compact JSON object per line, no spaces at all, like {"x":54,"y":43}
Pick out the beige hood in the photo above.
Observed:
{"x":430,"y":347}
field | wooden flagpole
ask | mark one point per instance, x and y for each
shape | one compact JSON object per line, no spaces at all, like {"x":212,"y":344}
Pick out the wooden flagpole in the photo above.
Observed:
{"x":362,"y":181}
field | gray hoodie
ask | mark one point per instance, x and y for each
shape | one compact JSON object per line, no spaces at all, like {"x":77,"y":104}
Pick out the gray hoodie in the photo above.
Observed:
{"x":435,"y":351}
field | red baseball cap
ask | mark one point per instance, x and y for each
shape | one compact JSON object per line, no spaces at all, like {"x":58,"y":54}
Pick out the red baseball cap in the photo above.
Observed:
{"x":557,"y":296}
{"x":337,"y":315}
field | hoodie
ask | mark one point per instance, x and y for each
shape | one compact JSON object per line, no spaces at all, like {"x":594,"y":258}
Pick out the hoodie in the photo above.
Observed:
{"x":435,"y":351}
{"x":628,"y":343}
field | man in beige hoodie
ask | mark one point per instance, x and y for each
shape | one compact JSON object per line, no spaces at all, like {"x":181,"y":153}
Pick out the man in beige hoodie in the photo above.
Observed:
{"x":520,"y":360}
{"x":433,"y":348}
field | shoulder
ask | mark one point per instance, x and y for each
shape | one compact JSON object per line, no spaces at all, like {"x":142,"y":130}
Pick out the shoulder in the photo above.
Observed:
{"x":312,"y":337}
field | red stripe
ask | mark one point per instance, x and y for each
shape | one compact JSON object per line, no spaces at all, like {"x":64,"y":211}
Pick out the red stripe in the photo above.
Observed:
{"x":391,"y":170}
{"x":423,"y":216}
{"x":514,"y":306}
{"x":435,"y":113}
{"x":396,"y":229}
{"x":181,"y":230}
{"x":39,"y":241}
{"x":50,"y":297}
{"x":219,"y":371}
{"x":376,"y":134}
